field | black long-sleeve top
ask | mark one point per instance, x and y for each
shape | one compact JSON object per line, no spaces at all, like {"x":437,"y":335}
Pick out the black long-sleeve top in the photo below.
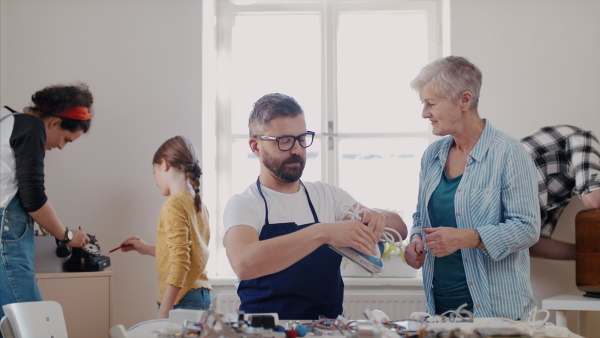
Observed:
{"x":27,"y":140}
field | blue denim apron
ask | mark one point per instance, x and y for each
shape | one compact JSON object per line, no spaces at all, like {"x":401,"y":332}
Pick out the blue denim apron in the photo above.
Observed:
{"x":309,"y":288}
{"x":17,"y":279}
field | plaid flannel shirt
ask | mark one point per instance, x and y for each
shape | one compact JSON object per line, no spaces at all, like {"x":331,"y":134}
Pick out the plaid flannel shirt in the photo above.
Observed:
{"x":568,"y":163}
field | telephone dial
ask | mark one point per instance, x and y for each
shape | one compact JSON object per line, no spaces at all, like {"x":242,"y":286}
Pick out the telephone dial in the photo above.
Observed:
{"x":87,"y":258}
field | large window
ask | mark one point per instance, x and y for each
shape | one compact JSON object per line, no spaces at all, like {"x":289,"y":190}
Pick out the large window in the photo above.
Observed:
{"x":349,"y":65}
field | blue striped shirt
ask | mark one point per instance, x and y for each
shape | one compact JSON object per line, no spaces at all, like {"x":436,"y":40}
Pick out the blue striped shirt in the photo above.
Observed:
{"x":497,"y":196}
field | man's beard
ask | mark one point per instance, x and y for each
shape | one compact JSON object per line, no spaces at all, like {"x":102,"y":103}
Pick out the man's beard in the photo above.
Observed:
{"x":283,"y":173}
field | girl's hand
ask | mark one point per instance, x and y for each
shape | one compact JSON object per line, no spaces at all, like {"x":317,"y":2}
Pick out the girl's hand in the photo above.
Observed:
{"x":137,"y":244}
{"x":163,"y":312}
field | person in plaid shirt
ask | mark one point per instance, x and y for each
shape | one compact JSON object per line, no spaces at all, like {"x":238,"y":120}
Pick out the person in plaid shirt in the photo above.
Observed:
{"x":568,"y":163}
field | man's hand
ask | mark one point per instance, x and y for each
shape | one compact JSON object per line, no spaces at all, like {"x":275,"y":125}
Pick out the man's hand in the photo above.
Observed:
{"x":354,"y":234}
{"x":251,"y":258}
{"x":375,"y":220}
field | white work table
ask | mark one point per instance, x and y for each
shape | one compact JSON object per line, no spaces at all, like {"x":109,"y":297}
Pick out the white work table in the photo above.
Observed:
{"x":152,"y":328}
{"x":572,"y":302}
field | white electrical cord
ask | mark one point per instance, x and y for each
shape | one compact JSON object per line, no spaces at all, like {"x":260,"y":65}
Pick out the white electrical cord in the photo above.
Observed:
{"x":452,"y":316}
{"x":535,"y":327}
{"x":355,"y":213}
{"x":387,"y":237}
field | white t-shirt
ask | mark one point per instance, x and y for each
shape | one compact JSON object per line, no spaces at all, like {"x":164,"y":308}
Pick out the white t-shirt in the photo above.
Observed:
{"x":8,"y":166}
{"x":248,"y":208}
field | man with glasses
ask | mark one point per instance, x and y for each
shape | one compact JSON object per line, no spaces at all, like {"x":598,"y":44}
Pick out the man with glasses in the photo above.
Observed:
{"x":278,"y":231}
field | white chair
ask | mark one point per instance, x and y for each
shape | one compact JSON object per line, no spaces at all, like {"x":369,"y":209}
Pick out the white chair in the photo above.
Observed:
{"x":5,"y":328}
{"x":118,"y":331}
{"x":33,"y":319}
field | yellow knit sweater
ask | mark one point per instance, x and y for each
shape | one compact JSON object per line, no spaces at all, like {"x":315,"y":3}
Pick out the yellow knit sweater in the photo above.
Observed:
{"x":182,"y":245}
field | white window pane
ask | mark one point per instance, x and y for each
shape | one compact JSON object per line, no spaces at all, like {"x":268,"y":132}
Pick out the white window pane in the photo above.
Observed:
{"x":312,"y":170}
{"x":378,"y":55}
{"x":382,"y":173}
{"x":246,"y":168}
{"x":276,"y":54}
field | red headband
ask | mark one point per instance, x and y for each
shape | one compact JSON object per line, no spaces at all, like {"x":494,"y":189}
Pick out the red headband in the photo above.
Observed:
{"x":75,"y":113}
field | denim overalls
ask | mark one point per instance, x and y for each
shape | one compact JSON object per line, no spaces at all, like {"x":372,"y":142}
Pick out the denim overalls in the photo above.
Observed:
{"x":310,"y":288}
{"x":17,"y":279}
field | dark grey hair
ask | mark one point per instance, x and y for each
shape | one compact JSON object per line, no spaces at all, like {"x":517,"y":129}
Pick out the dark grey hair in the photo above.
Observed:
{"x":269,"y":107}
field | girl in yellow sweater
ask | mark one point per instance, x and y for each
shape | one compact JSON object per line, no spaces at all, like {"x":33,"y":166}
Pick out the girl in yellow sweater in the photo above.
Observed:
{"x":183,"y":233}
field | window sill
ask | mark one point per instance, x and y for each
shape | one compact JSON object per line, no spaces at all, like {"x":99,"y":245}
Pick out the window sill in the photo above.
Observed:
{"x":348,"y":281}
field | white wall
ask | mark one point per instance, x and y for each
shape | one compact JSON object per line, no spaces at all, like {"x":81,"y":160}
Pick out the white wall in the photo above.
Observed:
{"x":142,"y":61}
{"x":541,"y":66}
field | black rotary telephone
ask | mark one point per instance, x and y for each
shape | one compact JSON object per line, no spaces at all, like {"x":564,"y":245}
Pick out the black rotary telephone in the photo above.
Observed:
{"x":87,"y":258}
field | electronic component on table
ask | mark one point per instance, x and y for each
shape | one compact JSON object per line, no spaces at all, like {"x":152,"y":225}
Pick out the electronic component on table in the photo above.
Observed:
{"x":500,"y":332}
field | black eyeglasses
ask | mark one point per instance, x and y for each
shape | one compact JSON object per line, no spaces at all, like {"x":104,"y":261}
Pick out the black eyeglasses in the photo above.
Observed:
{"x":286,"y":143}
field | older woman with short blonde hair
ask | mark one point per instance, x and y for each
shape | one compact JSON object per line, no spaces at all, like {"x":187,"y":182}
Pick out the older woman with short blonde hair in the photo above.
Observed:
{"x":477,"y":211}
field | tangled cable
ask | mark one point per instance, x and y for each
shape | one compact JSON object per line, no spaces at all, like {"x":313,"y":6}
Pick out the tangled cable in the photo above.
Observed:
{"x":459,"y":315}
{"x":453,"y":316}
{"x":355,"y":213}
{"x":385,"y":327}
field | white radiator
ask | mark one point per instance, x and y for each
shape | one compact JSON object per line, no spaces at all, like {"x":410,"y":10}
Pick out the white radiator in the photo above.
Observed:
{"x":397,"y":305}
{"x":225,"y":302}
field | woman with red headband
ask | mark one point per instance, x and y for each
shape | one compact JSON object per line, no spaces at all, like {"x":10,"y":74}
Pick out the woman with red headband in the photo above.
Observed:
{"x":59,"y":115}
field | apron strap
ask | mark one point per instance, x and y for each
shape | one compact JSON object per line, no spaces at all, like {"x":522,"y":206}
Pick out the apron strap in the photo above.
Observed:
{"x":11,"y":110}
{"x":312,"y":208}
{"x":264,"y":199}
{"x":13,"y":113}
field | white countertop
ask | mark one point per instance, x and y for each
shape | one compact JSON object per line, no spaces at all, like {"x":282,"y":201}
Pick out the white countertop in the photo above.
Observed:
{"x":574,"y":301}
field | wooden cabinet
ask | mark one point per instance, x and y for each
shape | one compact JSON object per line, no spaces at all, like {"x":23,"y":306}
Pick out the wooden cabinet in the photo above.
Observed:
{"x":86,"y":299}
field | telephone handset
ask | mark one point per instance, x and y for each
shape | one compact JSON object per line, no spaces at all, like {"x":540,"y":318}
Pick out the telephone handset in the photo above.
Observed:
{"x":62,"y":250}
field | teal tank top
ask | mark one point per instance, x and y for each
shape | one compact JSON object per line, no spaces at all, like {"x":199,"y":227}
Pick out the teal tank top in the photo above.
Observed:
{"x":450,"y":289}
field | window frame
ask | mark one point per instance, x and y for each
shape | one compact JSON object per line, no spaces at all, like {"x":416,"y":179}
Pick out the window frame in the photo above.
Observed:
{"x":217,"y":92}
